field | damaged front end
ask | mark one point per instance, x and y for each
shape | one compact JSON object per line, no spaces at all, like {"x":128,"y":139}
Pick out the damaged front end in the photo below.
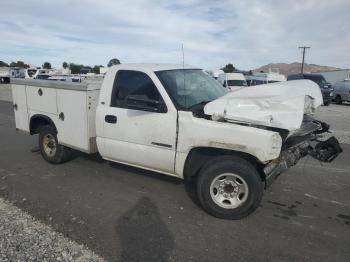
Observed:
{"x":286,"y":108}
{"x":305,"y":141}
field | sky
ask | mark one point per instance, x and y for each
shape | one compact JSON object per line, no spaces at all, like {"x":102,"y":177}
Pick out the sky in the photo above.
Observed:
{"x":247,"y":33}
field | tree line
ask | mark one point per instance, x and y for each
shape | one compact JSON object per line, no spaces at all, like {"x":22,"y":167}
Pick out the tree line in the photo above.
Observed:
{"x":75,"y":68}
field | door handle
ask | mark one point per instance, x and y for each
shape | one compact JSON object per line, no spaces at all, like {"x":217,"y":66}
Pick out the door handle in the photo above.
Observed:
{"x":110,"y":119}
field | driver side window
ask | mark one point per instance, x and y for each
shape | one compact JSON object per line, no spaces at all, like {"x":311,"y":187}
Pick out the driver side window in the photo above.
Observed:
{"x":132,"y":83}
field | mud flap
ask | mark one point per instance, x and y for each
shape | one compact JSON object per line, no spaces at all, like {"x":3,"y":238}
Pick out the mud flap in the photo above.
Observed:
{"x":326,"y":151}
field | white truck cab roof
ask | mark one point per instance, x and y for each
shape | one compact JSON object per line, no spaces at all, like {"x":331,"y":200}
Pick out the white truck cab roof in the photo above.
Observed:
{"x":151,"y":67}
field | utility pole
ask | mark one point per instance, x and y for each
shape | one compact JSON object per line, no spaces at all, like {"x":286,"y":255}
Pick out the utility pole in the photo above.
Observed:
{"x":304,"y":50}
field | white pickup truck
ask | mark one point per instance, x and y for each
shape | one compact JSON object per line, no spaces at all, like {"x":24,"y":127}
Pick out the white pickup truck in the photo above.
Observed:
{"x":180,"y":122}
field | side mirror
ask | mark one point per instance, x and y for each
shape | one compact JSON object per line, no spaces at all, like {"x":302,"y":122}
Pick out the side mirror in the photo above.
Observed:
{"x":143,"y":103}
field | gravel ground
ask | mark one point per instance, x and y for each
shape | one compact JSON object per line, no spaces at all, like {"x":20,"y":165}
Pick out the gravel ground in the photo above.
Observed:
{"x":22,"y":238}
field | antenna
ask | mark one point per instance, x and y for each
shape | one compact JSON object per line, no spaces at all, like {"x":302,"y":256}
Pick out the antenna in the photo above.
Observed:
{"x":304,"y":50}
{"x":183,"y":70}
{"x":183,"y":56}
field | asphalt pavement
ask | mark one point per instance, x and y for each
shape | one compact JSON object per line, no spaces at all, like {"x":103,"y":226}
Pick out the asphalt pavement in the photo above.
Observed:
{"x":127,"y":214}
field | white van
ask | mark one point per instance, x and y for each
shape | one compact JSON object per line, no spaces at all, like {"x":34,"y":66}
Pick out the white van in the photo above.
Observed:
{"x":266,"y":78}
{"x":342,"y":91}
{"x":232,"y":81}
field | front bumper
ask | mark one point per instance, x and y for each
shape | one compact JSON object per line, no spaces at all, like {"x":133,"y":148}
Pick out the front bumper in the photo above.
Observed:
{"x":327,"y":96}
{"x":300,"y":146}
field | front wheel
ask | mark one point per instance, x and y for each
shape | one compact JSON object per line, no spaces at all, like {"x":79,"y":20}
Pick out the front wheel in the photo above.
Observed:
{"x":229,"y":187}
{"x":50,"y":149}
{"x":338,"y":100}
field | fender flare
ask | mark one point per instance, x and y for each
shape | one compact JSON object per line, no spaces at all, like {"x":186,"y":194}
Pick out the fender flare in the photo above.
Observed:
{"x":43,"y":120}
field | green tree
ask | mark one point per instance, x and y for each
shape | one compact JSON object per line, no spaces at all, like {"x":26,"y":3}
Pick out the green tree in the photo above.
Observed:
{"x":113,"y":61}
{"x":47,"y":65}
{"x":2,"y":63}
{"x":64,"y":65}
{"x":85,"y":70}
{"x":229,"y":68}
{"x":96,"y":69}
{"x":20,"y":64}
{"x":75,"y":68}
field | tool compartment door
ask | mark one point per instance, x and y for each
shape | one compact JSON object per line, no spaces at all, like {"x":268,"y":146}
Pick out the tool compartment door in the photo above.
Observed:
{"x":19,"y":98}
{"x":72,"y":123}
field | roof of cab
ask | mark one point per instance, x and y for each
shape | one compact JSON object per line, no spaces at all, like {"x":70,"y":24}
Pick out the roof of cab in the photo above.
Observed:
{"x":153,"y":67}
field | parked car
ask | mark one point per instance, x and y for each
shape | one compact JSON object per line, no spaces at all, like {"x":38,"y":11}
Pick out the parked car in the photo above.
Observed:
{"x":31,"y":73}
{"x":326,"y":88}
{"x":342,"y":91}
{"x":265,"y":78}
{"x":232,"y":81}
{"x":42,"y":76}
{"x":180,"y":122}
{"x":60,"y":78}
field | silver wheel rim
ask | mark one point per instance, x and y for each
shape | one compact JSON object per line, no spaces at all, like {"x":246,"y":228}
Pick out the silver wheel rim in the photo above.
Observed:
{"x":49,"y":144}
{"x":229,"y":190}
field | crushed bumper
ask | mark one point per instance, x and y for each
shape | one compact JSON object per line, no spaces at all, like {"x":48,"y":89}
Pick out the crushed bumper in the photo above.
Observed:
{"x":325,"y":151}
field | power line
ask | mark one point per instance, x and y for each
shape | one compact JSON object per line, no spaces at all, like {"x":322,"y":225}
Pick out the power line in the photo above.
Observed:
{"x":304,"y":50}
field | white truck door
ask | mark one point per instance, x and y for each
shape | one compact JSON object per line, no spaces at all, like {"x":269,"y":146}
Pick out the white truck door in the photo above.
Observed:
{"x":19,"y":98}
{"x":137,"y":136}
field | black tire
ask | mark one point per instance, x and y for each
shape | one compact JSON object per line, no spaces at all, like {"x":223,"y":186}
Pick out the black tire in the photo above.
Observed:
{"x":327,"y":103}
{"x":338,"y":100}
{"x":60,"y":153}
{"x":237,"y":166}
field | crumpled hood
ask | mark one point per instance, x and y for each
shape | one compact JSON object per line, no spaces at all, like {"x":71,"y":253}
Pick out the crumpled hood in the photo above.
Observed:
{"x":280,"y":105}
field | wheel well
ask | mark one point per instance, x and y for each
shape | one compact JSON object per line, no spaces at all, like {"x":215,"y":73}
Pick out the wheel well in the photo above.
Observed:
{"x":38,"y":121}
{"x":197,"y":157}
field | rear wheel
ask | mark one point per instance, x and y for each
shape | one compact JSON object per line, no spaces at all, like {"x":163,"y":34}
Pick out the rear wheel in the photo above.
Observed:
{"x":50,"y":149}
{"x":338,"y":100}
{"x":229,"y":187}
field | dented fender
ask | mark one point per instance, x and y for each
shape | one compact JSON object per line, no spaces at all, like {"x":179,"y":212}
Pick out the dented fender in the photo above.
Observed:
{"x":195,"y":132}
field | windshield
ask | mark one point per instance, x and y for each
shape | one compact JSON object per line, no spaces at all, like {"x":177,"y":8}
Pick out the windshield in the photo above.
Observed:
{"x":236,"y":83}
{"x":190,"y":87}
{"x":318,"y":79}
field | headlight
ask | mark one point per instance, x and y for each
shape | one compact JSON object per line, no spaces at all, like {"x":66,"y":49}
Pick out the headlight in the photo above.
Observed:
{"x":309,"y":106}
{"x":331,"y":94}
{"x":276,"y":144}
